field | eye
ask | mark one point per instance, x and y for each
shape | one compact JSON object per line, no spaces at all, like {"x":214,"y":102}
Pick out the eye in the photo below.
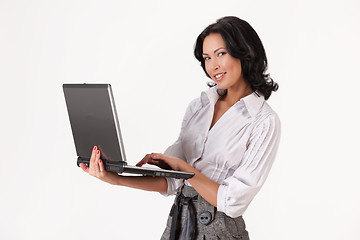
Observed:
{"x":206,"y":58}
{"x":221,"y":54}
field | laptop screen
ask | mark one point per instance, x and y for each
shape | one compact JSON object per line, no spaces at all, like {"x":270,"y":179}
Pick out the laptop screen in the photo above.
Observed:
{"x":94,"y":121}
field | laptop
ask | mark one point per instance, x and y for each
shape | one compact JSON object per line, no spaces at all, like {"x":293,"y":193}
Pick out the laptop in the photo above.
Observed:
{"x":94,"y":122}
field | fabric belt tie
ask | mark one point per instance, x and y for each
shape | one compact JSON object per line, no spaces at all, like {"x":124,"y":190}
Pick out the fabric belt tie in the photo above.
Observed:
{"x":188,"y":231}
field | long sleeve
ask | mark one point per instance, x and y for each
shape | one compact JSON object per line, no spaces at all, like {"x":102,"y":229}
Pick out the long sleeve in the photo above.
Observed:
{"x":238,"y":190}
{"x":176,"y":149}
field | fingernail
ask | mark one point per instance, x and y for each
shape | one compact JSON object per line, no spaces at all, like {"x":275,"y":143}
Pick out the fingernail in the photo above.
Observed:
{"x":97,"y":152}
{"x":100,"y":161}
{"x":94,"y":147}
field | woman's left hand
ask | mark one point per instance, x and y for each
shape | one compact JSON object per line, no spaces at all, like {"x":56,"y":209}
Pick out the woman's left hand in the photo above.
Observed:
{"x":163,"y":161}
{"x":206,"y":187}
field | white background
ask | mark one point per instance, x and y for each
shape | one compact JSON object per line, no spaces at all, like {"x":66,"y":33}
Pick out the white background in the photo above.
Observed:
{"x":144,"y":49}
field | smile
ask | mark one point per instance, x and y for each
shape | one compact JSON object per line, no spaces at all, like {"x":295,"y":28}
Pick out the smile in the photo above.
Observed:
{"x":219,"y":76}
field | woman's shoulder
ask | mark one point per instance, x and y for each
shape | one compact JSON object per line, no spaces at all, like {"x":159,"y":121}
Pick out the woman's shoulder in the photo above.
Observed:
{"x":193,"y":106}
{"x":207,"y":96}
{"x":267,"y":117}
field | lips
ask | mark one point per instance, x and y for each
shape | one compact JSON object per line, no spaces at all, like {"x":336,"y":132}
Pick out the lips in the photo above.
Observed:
{"x":219,"y":76}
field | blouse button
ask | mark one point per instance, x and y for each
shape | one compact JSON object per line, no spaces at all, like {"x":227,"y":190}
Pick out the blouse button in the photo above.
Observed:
{"x":205,"y":217}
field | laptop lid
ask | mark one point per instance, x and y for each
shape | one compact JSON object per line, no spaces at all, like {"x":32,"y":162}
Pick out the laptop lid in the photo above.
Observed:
{"x":93,"y":118}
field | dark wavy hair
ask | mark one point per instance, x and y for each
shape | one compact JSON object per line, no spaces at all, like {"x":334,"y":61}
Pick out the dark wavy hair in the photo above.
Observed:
{"x":242,"y":42}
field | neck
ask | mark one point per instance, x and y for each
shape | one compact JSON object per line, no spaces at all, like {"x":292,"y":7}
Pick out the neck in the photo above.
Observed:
{"x":234,"y":95}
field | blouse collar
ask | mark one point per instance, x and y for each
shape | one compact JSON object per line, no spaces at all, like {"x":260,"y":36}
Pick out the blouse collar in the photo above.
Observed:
{"x":253,"y":102}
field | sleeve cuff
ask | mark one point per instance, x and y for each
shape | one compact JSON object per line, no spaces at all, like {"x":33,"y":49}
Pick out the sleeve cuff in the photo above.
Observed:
{"x":221,"y":198}
{"x":172,"y":186}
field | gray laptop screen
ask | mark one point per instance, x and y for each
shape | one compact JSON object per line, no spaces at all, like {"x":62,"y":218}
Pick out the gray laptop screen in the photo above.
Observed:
{"x":93,"y":120}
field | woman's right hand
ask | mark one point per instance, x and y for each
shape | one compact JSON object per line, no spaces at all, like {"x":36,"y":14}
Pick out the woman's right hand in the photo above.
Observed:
{"x":96,"y":169}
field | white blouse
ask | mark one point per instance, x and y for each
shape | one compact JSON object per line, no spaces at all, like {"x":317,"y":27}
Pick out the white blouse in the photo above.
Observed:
{"x":237,"y":152}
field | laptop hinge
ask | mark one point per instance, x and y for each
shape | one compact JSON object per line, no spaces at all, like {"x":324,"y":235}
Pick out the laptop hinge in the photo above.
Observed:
{"x":112,"y":166}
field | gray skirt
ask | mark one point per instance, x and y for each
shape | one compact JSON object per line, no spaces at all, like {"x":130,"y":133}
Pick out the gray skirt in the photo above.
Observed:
{"x":209,"y":224}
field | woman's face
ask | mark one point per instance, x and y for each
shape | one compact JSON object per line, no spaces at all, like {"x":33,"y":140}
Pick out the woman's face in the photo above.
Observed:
{"x":223,"y":69}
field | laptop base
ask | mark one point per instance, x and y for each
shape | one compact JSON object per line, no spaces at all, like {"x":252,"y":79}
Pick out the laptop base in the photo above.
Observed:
{"x":122,"y":167}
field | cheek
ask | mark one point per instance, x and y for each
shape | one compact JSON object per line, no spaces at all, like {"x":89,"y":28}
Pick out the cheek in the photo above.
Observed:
{"x":238,"y":70}
{"x":236,"y":67}
{"x":237,"y":73}
{"x":207,"y":69}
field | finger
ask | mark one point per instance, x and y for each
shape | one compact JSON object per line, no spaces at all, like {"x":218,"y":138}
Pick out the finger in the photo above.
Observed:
{"x":101,"y":166}
{"x":160,"y":163}
{"x":84,"y":167}
{"x":144,"y":160}
{"x":153,"y":162}
{"x":92,"y":159}
{"x":165,"y":162}
{"x":159,"y":156}
{"x":97,"y":158}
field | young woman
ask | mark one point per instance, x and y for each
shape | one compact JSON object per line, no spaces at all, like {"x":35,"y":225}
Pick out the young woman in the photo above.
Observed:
{"x":229,"y":138}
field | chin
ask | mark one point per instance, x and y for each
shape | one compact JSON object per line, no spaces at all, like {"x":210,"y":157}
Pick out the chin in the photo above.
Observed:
{"x":221,"y":85}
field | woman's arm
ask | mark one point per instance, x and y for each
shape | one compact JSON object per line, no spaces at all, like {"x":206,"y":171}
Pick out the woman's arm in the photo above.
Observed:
{"x":97,"y":169}
{"x":204,"y":186}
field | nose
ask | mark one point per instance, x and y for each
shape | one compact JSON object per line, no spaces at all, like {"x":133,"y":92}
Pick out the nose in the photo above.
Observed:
{"x":214,"y":65}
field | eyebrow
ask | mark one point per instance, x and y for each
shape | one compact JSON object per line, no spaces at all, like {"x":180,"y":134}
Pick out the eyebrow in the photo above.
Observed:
{"x":215,"y":50}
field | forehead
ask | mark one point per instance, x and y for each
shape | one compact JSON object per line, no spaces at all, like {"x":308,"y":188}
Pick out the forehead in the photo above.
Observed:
{"x":213,"y":42}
